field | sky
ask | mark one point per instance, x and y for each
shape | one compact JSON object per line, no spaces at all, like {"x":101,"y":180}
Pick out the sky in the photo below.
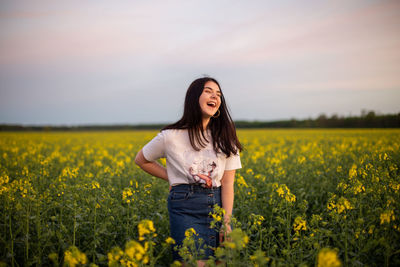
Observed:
{"x":128,"y":62}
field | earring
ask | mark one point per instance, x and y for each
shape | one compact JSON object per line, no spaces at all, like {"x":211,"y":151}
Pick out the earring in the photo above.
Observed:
{"x":219,"y":113}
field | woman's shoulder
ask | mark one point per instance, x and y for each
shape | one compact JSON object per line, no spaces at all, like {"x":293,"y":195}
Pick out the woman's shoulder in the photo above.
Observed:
{"x":173,"y":132}
{"x":173,"y":136}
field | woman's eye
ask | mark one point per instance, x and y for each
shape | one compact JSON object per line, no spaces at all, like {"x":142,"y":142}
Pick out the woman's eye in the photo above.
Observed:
{"x":208,"y":91}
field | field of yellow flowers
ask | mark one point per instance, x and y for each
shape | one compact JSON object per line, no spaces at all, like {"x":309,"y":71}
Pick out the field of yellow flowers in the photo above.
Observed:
{"x":302,"y":198}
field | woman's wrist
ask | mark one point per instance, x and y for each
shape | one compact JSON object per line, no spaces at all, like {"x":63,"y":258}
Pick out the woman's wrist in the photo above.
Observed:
{"x":227,"y":219}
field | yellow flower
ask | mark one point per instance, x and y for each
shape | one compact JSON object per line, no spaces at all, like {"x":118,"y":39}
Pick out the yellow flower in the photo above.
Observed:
{"x":127,"y":195}
{"x":134,"y":250}
{"x":3,"y":183}
{"x":257,"y":219}
{"x":299,"y":224}
{"x":249,"y":171}
{"x":290,"y":197}
{"x":73,"y":256}
{"x":284,"y":192}
{"x":394,"y":186}
{"x":189,"y":232}
{"x":127,"y":263}
{"x":163,"y":161}
{"x":69,"y":260}
{"x":353,"y":171}
{"x":387,"y":216}
{"x":170,"y":241}
{"x":216,"y":217}
{"x":346,"y":204}
{"x":340,"y":206}
{"x":145,"y":227}
{"x":145,"y":259}
{"x":239,"y":239}
{"x":95,"y":185}
{"x":70,"y":172}
{"x":371,"y":229}
{"x":301,"y":159}
{"x":98,"y":163}
{"x":342,"y":186}
{"x":240,"y":181}
{"x":115,"y":254}
{"x":230,"y":245}
{"x":176,"y":264}
{"x":358,"y":187}
{"x":259,"y":258}
{"x":328,"y":258}
{"x":280,"y":191}
{"x":358,"y":232}
{"x":120,"y":164}
{"x":245,"y":239}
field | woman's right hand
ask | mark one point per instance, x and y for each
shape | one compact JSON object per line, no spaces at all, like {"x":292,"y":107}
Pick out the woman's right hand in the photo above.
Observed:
{"x":223,"y":235}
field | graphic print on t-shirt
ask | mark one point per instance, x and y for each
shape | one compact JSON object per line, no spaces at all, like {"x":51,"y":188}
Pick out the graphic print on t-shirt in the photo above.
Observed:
{"x":202,"y":167}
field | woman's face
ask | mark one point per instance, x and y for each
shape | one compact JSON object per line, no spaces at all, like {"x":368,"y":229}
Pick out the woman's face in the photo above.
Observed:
{"x":210,"y":99}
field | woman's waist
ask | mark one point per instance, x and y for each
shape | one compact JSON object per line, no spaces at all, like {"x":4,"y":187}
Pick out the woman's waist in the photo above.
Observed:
{"x":195,"y":187}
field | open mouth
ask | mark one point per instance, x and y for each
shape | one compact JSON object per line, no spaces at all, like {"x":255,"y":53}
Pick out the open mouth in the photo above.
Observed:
{"x":211,"y":104}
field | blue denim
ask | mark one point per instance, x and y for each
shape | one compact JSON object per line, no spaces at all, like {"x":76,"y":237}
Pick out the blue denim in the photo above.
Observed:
{"x":189,"y":206}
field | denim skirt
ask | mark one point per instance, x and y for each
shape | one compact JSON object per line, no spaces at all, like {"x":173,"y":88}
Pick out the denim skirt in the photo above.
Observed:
{"x":189,"y":206}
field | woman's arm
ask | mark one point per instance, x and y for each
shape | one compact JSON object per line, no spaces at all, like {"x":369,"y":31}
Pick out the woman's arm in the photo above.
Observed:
{"x":151,"y":167}
{"x":227,"y":195}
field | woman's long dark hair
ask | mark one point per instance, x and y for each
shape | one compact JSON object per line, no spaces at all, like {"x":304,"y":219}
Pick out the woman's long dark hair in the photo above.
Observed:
{"x":222,"y":128}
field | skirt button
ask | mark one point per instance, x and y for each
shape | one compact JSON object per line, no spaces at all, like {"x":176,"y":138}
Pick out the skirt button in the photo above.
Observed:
{"x":210,"y":195}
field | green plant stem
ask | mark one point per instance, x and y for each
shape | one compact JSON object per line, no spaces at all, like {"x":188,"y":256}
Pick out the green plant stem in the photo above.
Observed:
{"x":387,"y":249}
{"x":154,"y":260}
{"x":288,"y":229}
{"x":94,"y":230}
{"x":39,"y":232}
{"x":73,"y":240}
{"x":269,"y":235}
{"x":12,"y":242}
{"x":27,"y":236}
{"x":346,"y":256}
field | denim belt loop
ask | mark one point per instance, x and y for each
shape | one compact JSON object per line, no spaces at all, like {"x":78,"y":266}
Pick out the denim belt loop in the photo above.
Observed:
{"x":191,"y":189}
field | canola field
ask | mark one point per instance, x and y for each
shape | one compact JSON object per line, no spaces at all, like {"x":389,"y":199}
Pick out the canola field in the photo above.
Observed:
{"x":302,"y":198}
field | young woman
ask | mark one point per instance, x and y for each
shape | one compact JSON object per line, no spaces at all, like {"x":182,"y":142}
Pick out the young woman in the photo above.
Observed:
{"x":202,"y":154}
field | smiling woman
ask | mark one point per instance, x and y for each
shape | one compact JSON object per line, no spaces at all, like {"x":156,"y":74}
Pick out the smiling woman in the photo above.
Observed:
{"x":210,"y":100}
{"x":202,"y":152}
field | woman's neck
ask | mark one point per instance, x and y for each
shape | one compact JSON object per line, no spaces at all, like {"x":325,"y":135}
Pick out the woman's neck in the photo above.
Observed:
{"x":205,"y":123}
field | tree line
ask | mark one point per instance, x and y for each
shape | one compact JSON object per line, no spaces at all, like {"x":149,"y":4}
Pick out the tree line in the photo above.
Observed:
{"x":365,"y":120}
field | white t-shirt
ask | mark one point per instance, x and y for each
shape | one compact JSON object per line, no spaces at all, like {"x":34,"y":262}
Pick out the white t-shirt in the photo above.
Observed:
{"x":186,"y":165}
